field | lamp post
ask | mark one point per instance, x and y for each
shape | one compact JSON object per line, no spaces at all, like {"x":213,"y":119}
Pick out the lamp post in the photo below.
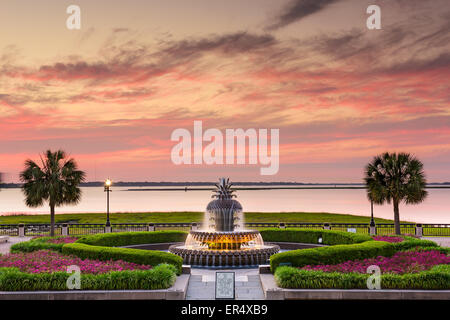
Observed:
{"x":372,"y":221}
{"x":108,"y":183}
{"x":372,"y":227}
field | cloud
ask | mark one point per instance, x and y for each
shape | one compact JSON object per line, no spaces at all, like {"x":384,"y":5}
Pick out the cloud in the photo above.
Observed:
{"x":134,"y":63}
{"x":297,"y":10}
{"x":235,"y":43}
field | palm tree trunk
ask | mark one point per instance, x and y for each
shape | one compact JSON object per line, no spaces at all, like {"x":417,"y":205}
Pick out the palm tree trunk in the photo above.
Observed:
{"x":396,"y":217}
{"x":52,"y":220}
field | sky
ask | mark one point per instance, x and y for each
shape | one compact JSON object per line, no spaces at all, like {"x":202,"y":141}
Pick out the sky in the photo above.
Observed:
{"x":111,"y":93}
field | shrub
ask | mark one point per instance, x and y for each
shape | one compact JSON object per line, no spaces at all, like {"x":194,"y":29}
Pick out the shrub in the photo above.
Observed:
{"x":438,"y":278}
{"x":329,"y":237}
{"x":332,"y":254}
{"x":160,"y":277}
{"x":119,"y":239}
{"x":147,"y":257}
{"x":411,"y":242}
{"x":41,"y":243}
{"x":444,"y":250}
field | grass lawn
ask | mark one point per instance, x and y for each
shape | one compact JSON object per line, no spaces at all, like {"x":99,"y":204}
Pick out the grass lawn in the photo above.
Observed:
{"x":162,"y":217}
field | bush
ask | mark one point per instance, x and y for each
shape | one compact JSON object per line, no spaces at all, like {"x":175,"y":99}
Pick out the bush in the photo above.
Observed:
{"x":119,"y":239}
{"x":438,"y":278}
{"x":37,"y":244}
{"x":411,"y":242}
{"x":148,"y":257}
{"x":329,"y":237}
{"x":444,"y":250}
{"x":332,"y":254}
{"x":160,"y":277}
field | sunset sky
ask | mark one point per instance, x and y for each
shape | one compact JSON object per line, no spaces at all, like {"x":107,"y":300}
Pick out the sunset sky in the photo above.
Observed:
{"x":111,"y":93}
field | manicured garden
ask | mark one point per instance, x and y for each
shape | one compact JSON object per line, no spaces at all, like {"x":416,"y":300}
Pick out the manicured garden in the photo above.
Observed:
{"x":41,"y":263}
{"x":405,"y":262}
{"x":105,"y":264}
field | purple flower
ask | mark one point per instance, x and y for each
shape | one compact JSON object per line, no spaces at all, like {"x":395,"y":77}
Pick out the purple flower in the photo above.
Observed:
{"x":63,"y":240}
{"x":388,"y":239}
{"x":52,"y":261}
{"x":401,"y":262}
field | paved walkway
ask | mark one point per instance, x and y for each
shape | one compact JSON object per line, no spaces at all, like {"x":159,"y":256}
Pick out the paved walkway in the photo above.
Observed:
{"x":4,"y":246}
{"x":442,"y":241}
{"x":202,"y":284}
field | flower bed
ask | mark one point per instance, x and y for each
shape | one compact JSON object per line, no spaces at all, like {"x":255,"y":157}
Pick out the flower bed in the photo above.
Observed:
{"x":52,"y":261}
{"x":334,"y":254}
{"x":400,"y":263}
{"x":43,"y":243}
{"x":388,"y":239}
{"x":437,"y":278}
{"x":160,"y":277}
{"x":104,"y":247}
{"x":62,"y":240}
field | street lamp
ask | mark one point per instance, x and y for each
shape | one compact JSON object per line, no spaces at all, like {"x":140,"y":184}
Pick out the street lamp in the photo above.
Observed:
{"x":108,"y":183}
{"x":372,"y":221}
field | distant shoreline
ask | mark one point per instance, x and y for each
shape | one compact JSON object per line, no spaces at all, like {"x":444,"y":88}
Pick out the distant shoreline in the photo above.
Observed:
{"x":204,"y":184}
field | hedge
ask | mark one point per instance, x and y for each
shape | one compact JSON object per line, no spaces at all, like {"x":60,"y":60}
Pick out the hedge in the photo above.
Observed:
{"x":37,"y":244}
{"x":148,"y":257}
{"x":437,"y":278}
{"x":411,"y":242}
{"x":160,"y":277}
{"x":118,"y":239}
{"x":332,"y":254}
{"x":329,"y":237}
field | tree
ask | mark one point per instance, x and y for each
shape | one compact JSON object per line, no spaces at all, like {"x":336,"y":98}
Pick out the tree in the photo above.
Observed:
{"x":56,"y":181}
{"x":396,"y":178}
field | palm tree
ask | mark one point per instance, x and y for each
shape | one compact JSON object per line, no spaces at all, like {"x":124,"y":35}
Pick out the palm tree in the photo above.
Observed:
{"x":55,"y":181}
{"x":395,"y":177}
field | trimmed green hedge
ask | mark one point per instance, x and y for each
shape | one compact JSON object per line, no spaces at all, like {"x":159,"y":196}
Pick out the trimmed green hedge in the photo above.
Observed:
{"x":438,"y":278}
{"x":411,"y":242}
{"x":443,"y":250}
{"x":37,"y":244}
{"x":119,"y":239}
{"x":160,"y":277}
{"x":148,"y":257}
{"x":332,"y":254}
{"x":329,"y":237}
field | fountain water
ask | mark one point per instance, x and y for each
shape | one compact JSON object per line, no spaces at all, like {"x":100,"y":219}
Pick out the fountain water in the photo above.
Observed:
{"x":223,"y":235}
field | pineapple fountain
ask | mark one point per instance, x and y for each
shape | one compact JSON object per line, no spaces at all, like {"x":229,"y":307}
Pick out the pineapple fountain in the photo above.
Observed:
{"x":223,"y":241}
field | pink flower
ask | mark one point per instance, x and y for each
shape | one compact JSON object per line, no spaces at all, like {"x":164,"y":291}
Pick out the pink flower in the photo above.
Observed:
{"x":388,"y":239}
{"x":401,"y":262}
{"x":51,"y":261}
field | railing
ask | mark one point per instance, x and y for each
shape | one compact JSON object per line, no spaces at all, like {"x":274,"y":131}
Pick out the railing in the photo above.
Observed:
{"x":389,"y":228}
{"x":41,"y":229}
{"x":438,"y":230}
{"x":174,"y":226}
{"x":127,"y":227}
{"x":9,"y":230}
{"x":79,"y":229}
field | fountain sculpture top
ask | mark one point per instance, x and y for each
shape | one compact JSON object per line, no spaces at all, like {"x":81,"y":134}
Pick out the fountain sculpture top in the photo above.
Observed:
{"x":224,"y":210}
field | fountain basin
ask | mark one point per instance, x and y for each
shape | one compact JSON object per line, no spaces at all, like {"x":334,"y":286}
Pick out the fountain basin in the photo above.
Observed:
{"x":251,"y":256}
{"x":224,"y":240}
